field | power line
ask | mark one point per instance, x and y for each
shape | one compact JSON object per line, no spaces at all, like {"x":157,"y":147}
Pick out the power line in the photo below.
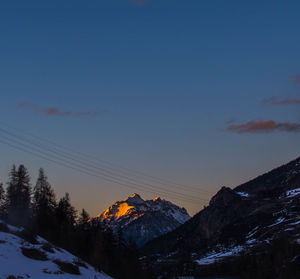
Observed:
{"x":84,"y":169}
{"x":111,"y":166}
{"x":79,"y":170}
{"x":20,"y":140}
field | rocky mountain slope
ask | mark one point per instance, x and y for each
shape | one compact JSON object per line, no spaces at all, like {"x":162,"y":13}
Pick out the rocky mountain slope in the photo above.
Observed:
{"x":142,"y":220}
{"x":238,"y":220}
{"x":24,"y":256}
{"x":284,"y":176}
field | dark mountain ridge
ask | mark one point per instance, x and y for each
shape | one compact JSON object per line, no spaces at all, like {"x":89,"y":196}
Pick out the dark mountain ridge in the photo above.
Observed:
{"x":247,"y":216}
{"x":282,"y":176}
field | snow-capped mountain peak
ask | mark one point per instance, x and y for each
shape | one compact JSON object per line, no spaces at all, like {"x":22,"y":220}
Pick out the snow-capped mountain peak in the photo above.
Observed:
{"x":135,"y":198}
{"x":157,"y":199}
{"x":142,"y":220}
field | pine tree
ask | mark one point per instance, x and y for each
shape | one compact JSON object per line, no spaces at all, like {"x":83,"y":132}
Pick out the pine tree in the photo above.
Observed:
{"x":18,"y":196}
{"x":84,"y":217}
{"x":44,"y":204}
{"x":11,"y":186}
{"x":65,"y":211}
{"x":2,"y":200}
{"x":65,"y":217}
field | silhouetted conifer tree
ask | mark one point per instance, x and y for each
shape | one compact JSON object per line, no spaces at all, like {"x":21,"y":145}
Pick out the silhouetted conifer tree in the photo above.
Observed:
{"x":65,"y":216}
{"x":2,"y":201}
{"x":44,"y":205}
{"x":65,"y":212}
{"x":107,"y":252}
{"x":18,"y":196}
{"x":84,"y":217}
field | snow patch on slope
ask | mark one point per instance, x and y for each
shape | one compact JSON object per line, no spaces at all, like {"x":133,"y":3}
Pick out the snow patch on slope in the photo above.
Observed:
{"x":293,"y":193}
{"x":243,"y":194}
{"x":217,"y":256}
{"x":13,"y":262}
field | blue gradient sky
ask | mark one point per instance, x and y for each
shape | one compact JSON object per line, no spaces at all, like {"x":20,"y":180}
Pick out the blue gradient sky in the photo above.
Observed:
{"x":166,"y":75}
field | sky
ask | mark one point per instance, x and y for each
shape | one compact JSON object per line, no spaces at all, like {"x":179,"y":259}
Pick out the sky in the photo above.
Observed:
{"x":159,"y":97}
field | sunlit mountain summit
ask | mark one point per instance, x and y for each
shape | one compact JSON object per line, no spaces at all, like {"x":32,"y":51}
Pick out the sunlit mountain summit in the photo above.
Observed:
{"x":142,"y":220}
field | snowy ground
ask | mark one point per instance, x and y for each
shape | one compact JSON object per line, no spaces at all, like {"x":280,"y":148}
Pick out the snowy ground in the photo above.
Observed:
{"x":14,"y":263}
{"x":243,"y":194}
{"x":284,"y":221}
{"x":293,"y":193}
{"x":217,"y":256}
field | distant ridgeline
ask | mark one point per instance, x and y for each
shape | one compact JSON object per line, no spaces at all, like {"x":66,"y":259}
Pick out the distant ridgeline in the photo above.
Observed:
{"x":256,"y":226}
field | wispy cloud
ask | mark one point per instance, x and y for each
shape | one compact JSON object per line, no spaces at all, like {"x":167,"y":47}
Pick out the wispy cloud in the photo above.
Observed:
{"x":53,"y":111}
{"x":264,"y":127}
{"x":275,"y":101}
{"x":295,"y":78}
